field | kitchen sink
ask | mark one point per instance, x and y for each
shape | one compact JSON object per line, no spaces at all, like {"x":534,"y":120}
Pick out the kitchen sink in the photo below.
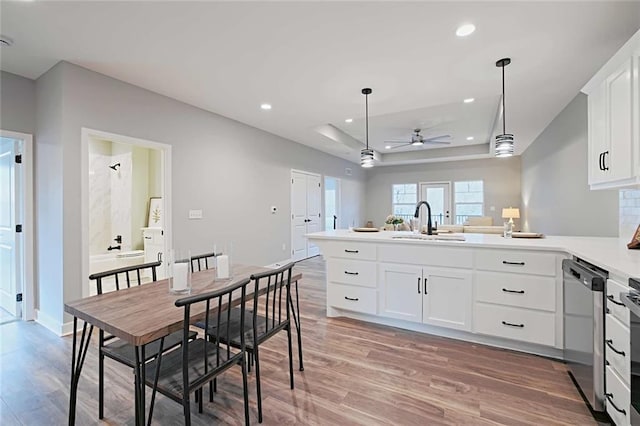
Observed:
{"x":410,"y":236}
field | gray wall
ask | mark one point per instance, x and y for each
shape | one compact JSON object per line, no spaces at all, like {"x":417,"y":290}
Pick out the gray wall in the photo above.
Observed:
{"x":501,"y":178}
{"x":232,"y":171}
{"x":555,"y":191}
{"x":17,"y":103}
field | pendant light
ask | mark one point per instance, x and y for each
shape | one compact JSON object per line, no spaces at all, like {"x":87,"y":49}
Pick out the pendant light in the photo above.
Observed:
{"x":366,"y":155}
{"x":505,"y":141}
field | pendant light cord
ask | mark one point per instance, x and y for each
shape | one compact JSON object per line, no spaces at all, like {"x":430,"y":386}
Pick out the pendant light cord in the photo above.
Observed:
{"x":366,"y":117}
{"x":504,"y":110}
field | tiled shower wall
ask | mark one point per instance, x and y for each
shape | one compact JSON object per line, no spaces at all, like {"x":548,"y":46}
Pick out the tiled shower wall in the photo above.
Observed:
{"x":629,"y":212}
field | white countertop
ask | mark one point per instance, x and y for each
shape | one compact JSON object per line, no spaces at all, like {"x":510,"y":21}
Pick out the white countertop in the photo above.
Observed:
{"x":608,"y":253}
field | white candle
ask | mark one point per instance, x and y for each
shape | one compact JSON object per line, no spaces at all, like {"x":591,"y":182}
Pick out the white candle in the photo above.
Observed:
{"x":180,"y":275}
{"x":222,"y":264}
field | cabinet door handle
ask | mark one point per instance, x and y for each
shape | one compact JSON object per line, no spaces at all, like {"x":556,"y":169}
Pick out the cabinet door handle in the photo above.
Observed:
{"x":609,"y":343}
{"x":513,"y":325}
{"x":600,"y":164}
{"x":615,"y":302}
{"x":351,"y":273}
{"x":613,"y":404}
{"x":350,"y":251}
{"x":506,"y":290}
{"x":159,"y":256}
{"x":353,"y":299}
{"x":425,"y":285}
{"x":604,"y":160}
{"x":419,"y":285}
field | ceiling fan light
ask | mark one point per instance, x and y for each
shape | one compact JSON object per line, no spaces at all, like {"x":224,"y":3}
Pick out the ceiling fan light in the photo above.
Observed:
{"x":417,"y":143}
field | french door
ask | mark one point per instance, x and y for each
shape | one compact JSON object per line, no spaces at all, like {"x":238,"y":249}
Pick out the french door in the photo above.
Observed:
{"x":438,"y":195}
{"x":306,"y":204}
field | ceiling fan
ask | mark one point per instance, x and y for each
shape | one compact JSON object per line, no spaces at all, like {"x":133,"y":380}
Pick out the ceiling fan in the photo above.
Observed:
{"x":418,"y":140}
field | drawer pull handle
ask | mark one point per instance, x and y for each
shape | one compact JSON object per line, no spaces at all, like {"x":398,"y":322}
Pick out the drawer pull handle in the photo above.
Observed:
{"x":609,"y":343}
{"x":506,"y":290}
{"x":147,"y":238}
{"x":351,"y":273}
{"x":354,"y":299}
{"x":351,"y":251}
{"x":512,"y":263}
{"x":615,"y":302}
{"x":613,"y":404}
{"x":513,"y":325}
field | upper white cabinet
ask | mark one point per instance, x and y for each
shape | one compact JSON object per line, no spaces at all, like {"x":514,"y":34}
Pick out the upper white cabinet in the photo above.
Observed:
{"x":614,"y":120}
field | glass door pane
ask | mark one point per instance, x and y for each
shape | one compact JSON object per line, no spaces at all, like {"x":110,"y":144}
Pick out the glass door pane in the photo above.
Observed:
{"x":439,"y":198}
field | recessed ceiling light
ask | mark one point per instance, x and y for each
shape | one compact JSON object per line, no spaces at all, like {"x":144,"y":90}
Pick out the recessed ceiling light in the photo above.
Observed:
{"x":349,"y":120}
{"x":469,"y":138}
{"x":265,"y":106}
{"x":387,"y":147}
{"x":469,"y":100}
{"x":465,"y":29}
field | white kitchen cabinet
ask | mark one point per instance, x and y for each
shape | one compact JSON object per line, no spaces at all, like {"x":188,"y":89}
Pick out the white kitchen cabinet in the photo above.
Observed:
{"x":435,"y":296}
{"x":614,"y":120}
{"x":447,"y":298}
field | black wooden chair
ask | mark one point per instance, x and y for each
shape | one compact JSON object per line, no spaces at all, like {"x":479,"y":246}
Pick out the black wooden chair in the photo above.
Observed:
{"x":268,"y":313}
{"x":202,"y":261}
{"x":178,"y":373}
{"x":110,"y":346}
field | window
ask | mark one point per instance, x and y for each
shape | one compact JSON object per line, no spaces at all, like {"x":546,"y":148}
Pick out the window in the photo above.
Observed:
{"x":469,"y":200}
{"x":404,"y":199}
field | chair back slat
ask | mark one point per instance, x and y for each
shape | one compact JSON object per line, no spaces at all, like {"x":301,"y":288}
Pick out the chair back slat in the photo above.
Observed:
{"x":210,"y":358}
{"x":201,"y":261}
{"x":271,"y":284}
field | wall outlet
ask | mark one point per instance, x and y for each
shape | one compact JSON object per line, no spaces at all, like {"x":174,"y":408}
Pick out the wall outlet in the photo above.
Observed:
{"x":274,"y":209}
{"x":195,"y":214}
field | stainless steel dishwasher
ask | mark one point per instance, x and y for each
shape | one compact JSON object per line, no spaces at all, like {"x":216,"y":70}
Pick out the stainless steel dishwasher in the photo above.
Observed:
{"x":584,"y":328}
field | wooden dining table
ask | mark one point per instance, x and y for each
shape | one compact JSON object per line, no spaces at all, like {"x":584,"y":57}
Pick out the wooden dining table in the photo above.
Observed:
{"x":142,"y":314}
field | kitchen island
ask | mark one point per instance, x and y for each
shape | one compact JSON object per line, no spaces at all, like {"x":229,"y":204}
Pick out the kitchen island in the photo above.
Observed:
{"x":485,"y":289}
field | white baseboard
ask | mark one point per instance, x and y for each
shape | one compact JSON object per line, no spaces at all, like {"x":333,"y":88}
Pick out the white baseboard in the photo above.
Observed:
{"x":50,"y":323}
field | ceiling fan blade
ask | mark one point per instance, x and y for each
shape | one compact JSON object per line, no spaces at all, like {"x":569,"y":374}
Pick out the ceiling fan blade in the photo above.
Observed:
{"x":436,"y":137}
{"x":397,"y":141}
{"x":399,"y":146}
{"x":438,"y":142}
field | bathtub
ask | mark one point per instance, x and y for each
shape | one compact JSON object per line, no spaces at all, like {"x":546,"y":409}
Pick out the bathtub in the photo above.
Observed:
{"x":108,"y":261}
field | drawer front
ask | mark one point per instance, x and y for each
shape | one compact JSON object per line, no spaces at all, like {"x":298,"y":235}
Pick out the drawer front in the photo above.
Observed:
{"x":356,"y":272}
{"x":524,"y":291}
{"x":617,"y":398}
{"x":352,"y":298}
{"x":519,"y":261}
{"x":515,"y":323}
{"x":618,"y":348}
{"x":614,"y":304}
{"x":351,"y":250}
{"x":452,"y":257}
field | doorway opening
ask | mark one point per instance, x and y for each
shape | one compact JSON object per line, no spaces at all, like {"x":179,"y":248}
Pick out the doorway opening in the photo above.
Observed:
{"x":126,"y":203}
{"x":331,"y":203}
{"x":17,"y":288}
{"x":438,"y":195}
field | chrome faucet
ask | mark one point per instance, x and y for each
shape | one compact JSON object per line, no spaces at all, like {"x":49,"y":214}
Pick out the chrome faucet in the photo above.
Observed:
{"x":417,"y":215}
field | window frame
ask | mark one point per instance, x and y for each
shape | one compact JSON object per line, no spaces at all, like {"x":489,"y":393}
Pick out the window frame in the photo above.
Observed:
{"x":456,"y":203}
{"x":394,"y":204}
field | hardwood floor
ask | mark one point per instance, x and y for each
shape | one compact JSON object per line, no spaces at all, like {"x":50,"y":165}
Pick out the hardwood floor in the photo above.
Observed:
{"x":355,"y":373}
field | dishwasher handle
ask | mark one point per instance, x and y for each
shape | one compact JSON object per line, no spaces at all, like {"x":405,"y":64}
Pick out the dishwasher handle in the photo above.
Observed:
{"x":576,"y":271}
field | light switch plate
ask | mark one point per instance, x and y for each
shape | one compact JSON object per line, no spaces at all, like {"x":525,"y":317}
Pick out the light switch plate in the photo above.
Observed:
{"x":195,"y":214}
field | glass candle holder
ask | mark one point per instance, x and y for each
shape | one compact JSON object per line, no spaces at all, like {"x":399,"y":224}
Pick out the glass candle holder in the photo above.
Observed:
{"x":179,"y":272}
{"x":223,"y":261}
{"x":508,"y":229}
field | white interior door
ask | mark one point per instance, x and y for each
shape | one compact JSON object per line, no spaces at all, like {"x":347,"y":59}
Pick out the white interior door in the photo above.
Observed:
{"x":314,"y":211}
{"x":298,"y":215}
{"x":10,"y":272}
{"x":438,"y":195}
{"x":306,"y":216}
